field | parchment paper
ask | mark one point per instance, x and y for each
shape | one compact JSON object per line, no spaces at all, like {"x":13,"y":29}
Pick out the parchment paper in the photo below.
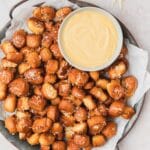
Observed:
{"x":138,"y":60}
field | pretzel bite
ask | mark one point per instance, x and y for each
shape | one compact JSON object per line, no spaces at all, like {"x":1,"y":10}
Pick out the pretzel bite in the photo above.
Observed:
{"x":48,"y":91}
{"x":34,"y":76}
{"x":55,"y":101}
{"x":62,"y":13}
{"x":81,"y":140}
{"x":118,"y":69}
{"x":124,"y":51}
{"x":23,"y":67}
{"x":19,"y":38}
{"x":23,"y":104}
{"x":99,"y":94}
{"x":77,"y":77}
{"x":52,"y":66}
{"x":19,"y":87}
{"x":26,"y":50}
{"x":46,"y":139}
{"x":66,"y":106}
{"x":24,"y":124}
{"x":43,"y":147}
{"x":96,"y":124}
{"x":57,"y":128}
{"x":54,"y":31}
{"x":94,"y":112}
{"x":62,"y":72}
{"x":103,"y":109}
{"x":10,"y":103}
{"x":6,"y":76}
{"x":21,"y":114}
{"x":37,"y":90}
{"x":59,"y":145}
{"x":33,"y":59}
{"x":45,"y":54}
{"x":44,"y":13}
{"x":33,"y":139}
{"x":80,"y":114}
{"x":3,"y":90}
{"x":98,"y":140}
{"x":37,"y":103}
{"x":15,"y":57}
{"x":24,"y":136}
{"x":64,"y":88}
{"x":78,"y":93}
{"x":77,"y":102}
{"x":102,"y":83}
{"x":94,"y":75}
{"x":110,"y":130}
{"x":49,"y":25}
{"x":35,"y":25}
{"x":67,"y":120}
{"x":80,"y":128}
{"x":116,"y":108}
{"x":72,"y":146}
{"x":128,"y":112}
{"x":57,"y":131}
{"x":52,"y":113}
{"x":47,"y":40}
{"x":89,"y":102}
{"x":50,"y":78}
{"x":41,"y":125}
{"x":68,"y":133}
{"x":33,"y":40}
{"x":130,"y":84}
{"x":55,"y":50}
{"x":109,"y":101}
{"x":89,"y":85}
{"x":10,"y":124}
{"x":88,"y":147}
{"x":7,"y":47}
{"x":7,"y":64}
{"x":115,"y":90}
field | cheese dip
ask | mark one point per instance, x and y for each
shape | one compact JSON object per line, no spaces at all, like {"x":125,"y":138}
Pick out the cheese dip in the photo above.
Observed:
{"x":88,"y":38}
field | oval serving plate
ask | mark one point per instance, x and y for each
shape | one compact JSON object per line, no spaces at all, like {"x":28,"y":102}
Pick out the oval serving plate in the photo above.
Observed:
{"x":22,"y":145}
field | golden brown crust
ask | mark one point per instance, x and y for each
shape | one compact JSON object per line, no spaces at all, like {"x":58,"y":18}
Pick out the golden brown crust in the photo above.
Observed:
{"x":6,"y":76}
{"x":110,"y":130}
{"x":34,"y":76}
{"x":98,"y":140}
{"x":77,"y":77}
{"x":33,"y":40}
{"x":62,"y":13}
{"x":35,"y":25}
{"x":130,"y":84}
{"x":37,"y":103}
{"x":81,"y":140}
{"x":116,"y":108}
{"x":44,"y":13}
{"x":19,"y":38}
{"x":10,"y":103}
{"x":128,"y":112}
{"x":19,"y":87}
{"x":52,"y":66}
{"x":10,"y":124}
{"x":59,"y":145}
{"x":41,"y":125}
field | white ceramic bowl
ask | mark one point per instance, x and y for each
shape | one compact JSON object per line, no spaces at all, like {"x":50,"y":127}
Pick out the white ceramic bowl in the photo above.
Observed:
{"x":117,"y":50}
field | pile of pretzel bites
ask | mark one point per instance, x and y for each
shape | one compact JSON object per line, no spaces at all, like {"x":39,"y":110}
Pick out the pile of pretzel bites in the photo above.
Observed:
{"x":57,"y":106}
